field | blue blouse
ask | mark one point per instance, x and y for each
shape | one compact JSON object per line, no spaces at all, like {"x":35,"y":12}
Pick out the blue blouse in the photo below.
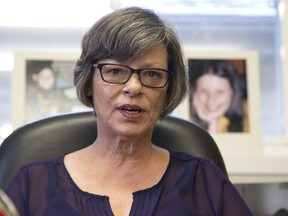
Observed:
{"x":189,"y":186}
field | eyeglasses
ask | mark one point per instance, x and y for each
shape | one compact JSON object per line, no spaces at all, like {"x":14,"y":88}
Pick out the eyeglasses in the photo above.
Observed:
{"x":120,"y":74}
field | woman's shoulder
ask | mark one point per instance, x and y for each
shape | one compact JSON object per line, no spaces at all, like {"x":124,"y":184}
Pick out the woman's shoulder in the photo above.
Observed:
{"x":185,"y":157}
{"x":30,"y":173}
{"x":185,"y":160}
{"x":41,"y":166}
{"x":45,"y":162}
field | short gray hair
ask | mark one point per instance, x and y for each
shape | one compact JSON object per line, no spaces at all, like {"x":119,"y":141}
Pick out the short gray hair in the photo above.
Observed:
{"x":126,"y":34}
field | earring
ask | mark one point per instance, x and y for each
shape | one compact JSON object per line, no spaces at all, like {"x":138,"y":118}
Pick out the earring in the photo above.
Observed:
{"x":163,"y":110}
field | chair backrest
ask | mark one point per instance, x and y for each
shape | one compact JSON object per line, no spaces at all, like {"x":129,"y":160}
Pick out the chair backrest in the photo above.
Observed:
{"x":54,"y":136}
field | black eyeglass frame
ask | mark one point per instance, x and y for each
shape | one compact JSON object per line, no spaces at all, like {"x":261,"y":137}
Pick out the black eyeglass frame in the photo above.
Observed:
{"x":132,"y":71}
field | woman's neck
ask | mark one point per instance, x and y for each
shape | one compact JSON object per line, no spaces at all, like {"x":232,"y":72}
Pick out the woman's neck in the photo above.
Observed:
{"x":120,"y":152}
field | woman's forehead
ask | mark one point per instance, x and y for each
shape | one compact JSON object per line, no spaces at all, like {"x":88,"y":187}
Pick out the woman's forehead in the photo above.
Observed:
{"x":212,"y":81}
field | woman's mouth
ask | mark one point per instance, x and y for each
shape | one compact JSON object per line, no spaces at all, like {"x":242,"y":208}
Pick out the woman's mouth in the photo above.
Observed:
{"x":131,"y":111}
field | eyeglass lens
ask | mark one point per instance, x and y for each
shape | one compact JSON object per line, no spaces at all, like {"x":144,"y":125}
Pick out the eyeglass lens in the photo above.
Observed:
{"x":119,"y":74}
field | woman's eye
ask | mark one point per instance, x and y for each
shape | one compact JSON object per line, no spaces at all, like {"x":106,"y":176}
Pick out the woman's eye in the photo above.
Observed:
{"x":152,"y":74}
{"x":203,"y":91}
{"x":220,"y":92}
{"x":115,"y":71}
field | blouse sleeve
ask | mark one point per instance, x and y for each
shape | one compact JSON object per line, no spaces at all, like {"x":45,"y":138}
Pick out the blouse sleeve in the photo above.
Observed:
{"x":223,"y":196}
{"x":17,"y":190}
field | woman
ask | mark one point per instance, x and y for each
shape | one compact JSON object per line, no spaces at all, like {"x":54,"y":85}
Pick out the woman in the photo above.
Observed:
{"x":217,"y":98}
{"x":131,"y":72}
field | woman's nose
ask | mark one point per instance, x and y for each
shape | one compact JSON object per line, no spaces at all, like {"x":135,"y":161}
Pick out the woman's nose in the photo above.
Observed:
{"x":211,"y":97}
{"x":133,"y":86}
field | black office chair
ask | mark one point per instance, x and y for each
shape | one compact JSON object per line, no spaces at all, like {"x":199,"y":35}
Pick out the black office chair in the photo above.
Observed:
{"x":54,"y":136}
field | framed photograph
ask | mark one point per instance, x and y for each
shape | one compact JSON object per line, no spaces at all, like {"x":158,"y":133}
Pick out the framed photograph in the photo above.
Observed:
{"x":224,"y":99}
{"x":42,"y":86}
